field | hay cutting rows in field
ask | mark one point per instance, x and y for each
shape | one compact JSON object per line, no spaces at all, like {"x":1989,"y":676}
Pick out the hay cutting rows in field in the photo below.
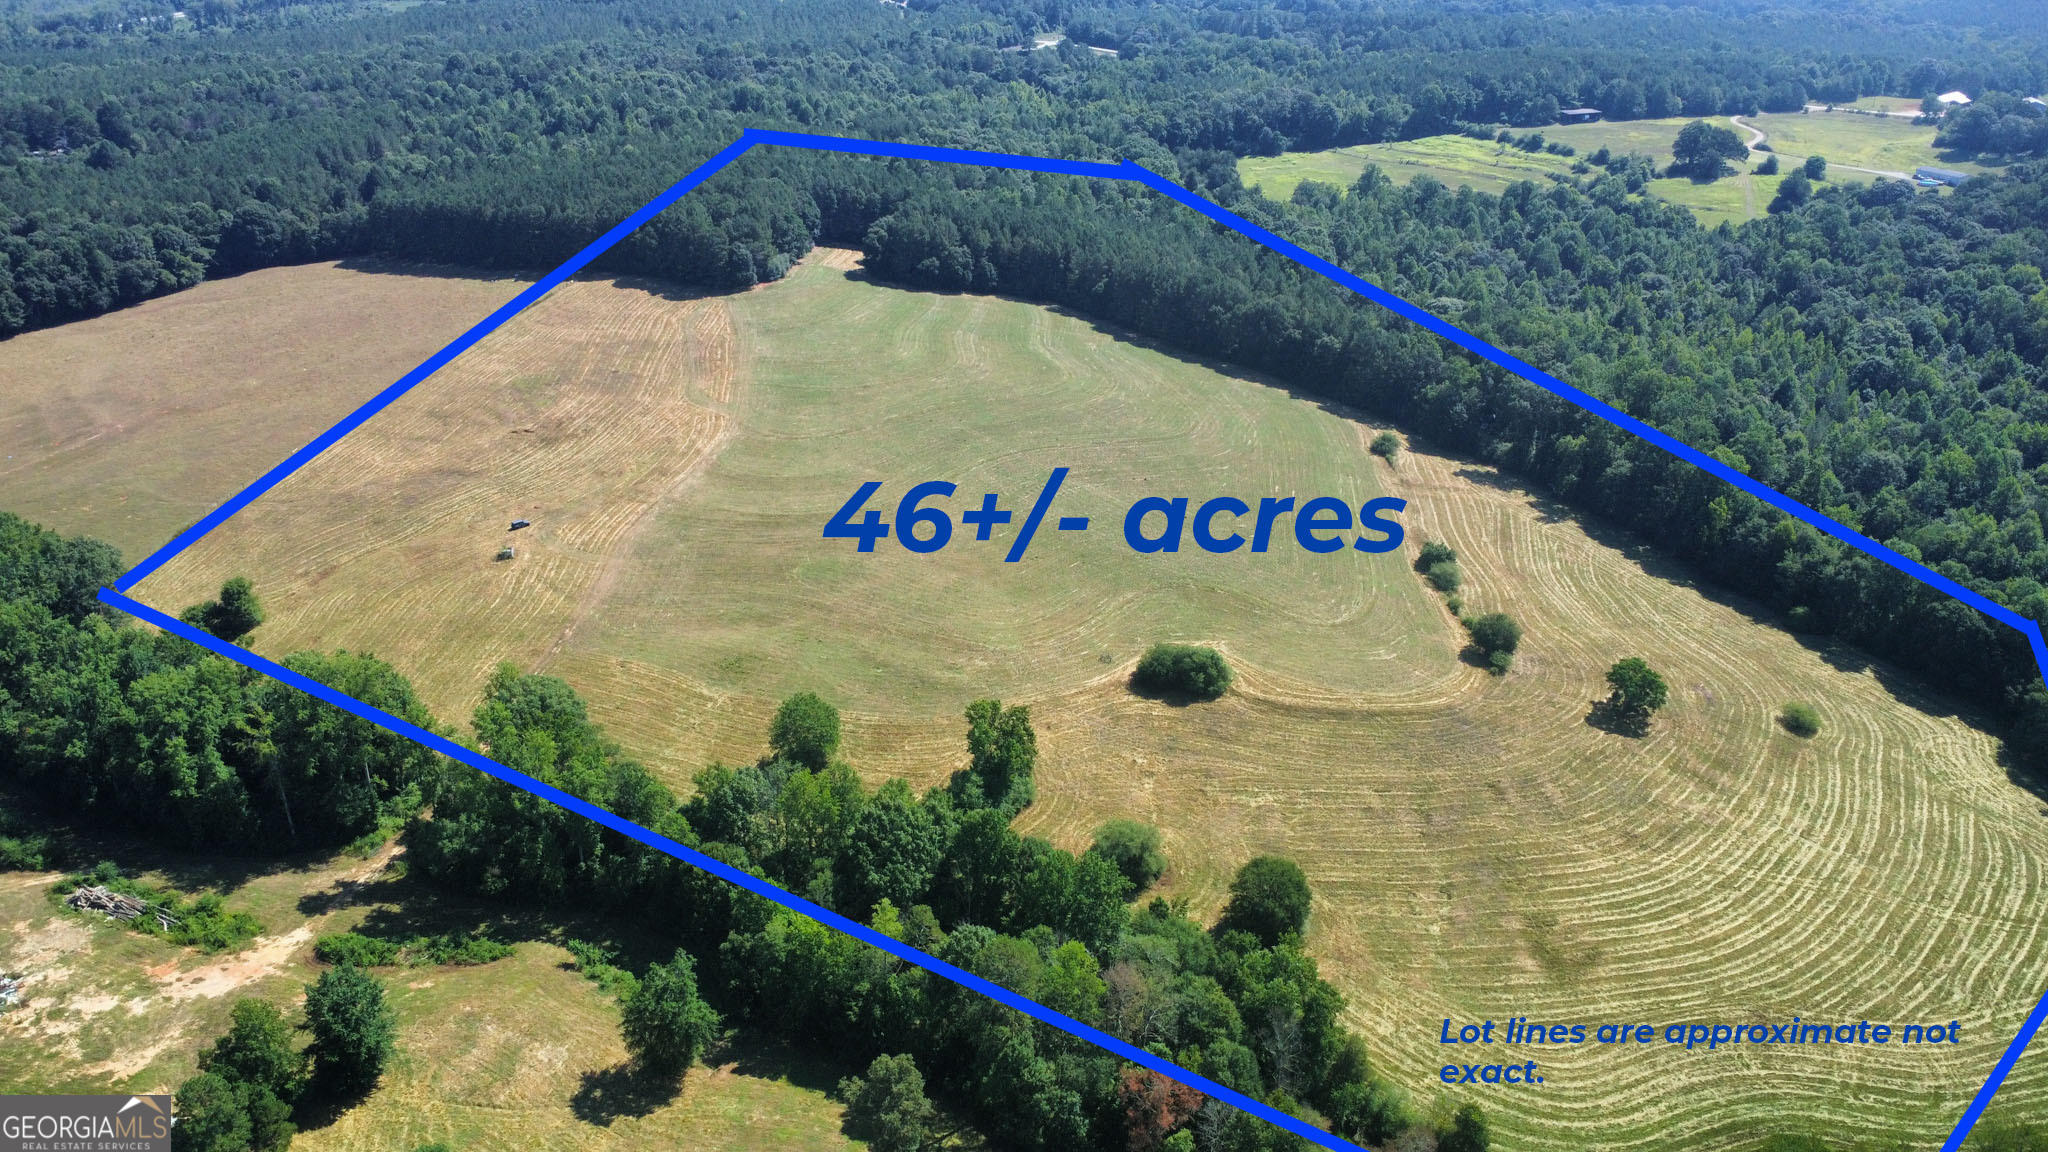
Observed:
{"x":132,"y":425}
{"x":1480,"y":850}
{"x":581,"y":415}
{"x":733,"y":587}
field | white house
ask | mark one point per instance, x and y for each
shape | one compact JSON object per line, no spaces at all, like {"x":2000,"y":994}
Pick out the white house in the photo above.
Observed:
{"x":1953,"y":99}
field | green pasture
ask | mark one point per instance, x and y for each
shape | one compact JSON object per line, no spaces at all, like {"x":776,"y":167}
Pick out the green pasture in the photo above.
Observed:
{"x":733,"y":585}
{"x":1877,"y":145}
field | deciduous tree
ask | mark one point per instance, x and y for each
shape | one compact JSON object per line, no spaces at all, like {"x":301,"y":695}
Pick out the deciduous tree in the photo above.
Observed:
{"x":354,"y":1031}
{"x":665,"y":1022}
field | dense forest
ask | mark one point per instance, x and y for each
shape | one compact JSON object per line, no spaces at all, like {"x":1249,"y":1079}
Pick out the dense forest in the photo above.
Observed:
{"x":139,"y":153}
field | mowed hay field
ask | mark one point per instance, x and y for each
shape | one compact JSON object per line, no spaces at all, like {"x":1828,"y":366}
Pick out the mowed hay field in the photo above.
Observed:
{"x":733,"y":586}
{"x":679,"y":459}
{"x":581,"y":416}
{"x":523,"y":1052}
{"x":132,"y":425}
{"x":1478,"y":849}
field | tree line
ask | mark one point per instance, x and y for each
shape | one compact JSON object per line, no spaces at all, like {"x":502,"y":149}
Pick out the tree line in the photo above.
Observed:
{"x":144,"y":730}
{"x":946,"y":873}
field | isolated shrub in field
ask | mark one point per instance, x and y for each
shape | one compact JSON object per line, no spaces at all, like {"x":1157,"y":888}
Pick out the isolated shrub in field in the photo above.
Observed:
{"x":1186,"y":669}
{"x":371,"y":952}
{"x":355,"y":948}
{"x":1800,"y":719}
{"x":1498,"y":663}
{"x":805,"y":731}
{"x":1447,"y":576}
{"x":1636,"y":690}
{"x":1495,"y":632}
{"x":234,"y":615}
{"x":1386,"y":446}
{"x":1134,"y":848}
{"x":1269,"y":898}
{"x":1435,"y":552}
{"x":595,"y":962}
{"x":1769,"y":167}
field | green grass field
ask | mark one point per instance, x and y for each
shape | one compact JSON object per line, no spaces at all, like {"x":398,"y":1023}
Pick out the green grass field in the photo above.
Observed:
{"x":1882,"y":144}
{"x":1877,"y":145}
{"x":1477,"y":847}
{"x":1453,"y":160}
{"x":731,"y":585}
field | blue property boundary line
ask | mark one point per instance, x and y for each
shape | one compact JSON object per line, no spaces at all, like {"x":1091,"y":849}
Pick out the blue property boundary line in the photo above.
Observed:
{"x":1126,"y":171}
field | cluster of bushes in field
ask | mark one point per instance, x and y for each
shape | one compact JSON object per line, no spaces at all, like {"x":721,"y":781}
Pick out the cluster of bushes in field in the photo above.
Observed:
{"x":1189,"y":671}
{"x":418,"y":951}
{"x":1495,"y":635}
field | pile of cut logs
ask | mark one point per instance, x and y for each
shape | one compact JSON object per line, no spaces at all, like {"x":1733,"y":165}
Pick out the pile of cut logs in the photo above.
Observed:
{"x":116,"y":904}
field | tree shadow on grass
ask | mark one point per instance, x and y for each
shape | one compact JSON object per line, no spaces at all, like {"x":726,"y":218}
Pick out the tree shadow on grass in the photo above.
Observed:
{"x":621,"y":1091}
{"x":1473,"y":656}
{"x":322,"y":1104}
{"x":77,"y":846}
{"x":1611,"y":718}
{"x":1171,"y":697}
{"x":752,"y":1054}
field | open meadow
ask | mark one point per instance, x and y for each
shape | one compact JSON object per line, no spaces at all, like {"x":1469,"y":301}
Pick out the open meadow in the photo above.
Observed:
{"x":1478,"y":846}
{"x":1858,"y":148}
